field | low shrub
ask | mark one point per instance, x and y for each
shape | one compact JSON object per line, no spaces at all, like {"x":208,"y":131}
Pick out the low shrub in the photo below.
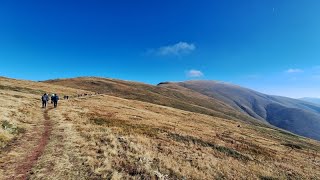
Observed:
{"x":13,"y":129}
{"x":293,"y":146}
{"x":267,"y":178}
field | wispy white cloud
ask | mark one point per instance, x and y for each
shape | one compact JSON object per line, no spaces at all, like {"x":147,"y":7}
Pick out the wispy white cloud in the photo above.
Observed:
{"x":294,"y":71}
{"x":178,"y":49}
{"x":194,"y":73}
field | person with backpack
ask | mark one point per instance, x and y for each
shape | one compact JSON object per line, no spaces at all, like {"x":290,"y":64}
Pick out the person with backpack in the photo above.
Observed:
{"x":45,"y":99}
{"x":55,"y":100}
{"x":52,"y":96}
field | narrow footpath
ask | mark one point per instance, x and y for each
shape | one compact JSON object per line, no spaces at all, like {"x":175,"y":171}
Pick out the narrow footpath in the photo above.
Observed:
{"x":18,"y":157}
{"x":30,"y":160}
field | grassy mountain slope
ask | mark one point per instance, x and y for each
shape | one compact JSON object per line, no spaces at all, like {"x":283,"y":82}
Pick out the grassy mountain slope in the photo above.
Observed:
{"x":293,"y":115}
{"x":108,"y":137}
{"x":181,"y":98}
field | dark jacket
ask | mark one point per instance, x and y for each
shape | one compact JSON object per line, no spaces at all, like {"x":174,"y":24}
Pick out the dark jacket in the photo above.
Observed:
{"x":55,"y":98}
{"x":45,"y":98}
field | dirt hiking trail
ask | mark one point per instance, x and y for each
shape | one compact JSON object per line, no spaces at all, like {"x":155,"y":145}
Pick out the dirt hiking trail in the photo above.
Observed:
{"x":32,"y":158}
{"x":26,"y":149}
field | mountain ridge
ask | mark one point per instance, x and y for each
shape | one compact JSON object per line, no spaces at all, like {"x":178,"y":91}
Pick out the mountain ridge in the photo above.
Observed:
{"x":264,"y":109}
{"x":276,"y":110}
{"x":182,"y":99}
{"x":311,"y":100}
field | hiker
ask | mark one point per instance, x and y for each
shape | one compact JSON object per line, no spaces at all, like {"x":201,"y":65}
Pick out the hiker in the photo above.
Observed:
{"x":55,"y":100}
{"x":52,"y":96}
{"x":45,"y":99}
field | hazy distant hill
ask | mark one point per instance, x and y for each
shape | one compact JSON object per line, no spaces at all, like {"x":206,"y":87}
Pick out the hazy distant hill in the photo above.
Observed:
{"x":310,"y":99}
{"x":294,"y":115}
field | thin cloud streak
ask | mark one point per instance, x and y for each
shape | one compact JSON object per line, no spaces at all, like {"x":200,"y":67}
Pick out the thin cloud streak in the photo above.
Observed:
{"x":178,"y":49}
{"x":294,"y":71}
{"x":195,"y":73}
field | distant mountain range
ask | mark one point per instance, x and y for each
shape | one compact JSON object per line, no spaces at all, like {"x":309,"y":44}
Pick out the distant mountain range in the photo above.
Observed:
{"x":294,"y":115}
{"x":214,"y":98}
{"x":312,"y":100}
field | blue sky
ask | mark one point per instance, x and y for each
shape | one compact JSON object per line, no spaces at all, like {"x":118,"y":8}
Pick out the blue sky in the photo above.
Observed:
{"x":268,"y":45}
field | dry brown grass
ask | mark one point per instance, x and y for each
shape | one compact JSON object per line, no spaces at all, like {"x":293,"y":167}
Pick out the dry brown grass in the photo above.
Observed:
{"x":132,"y":139}
{"x":21,"y":120}
{"x":19,"y":117}
{"x":36,"y":88}
{"x":106,"y":137}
